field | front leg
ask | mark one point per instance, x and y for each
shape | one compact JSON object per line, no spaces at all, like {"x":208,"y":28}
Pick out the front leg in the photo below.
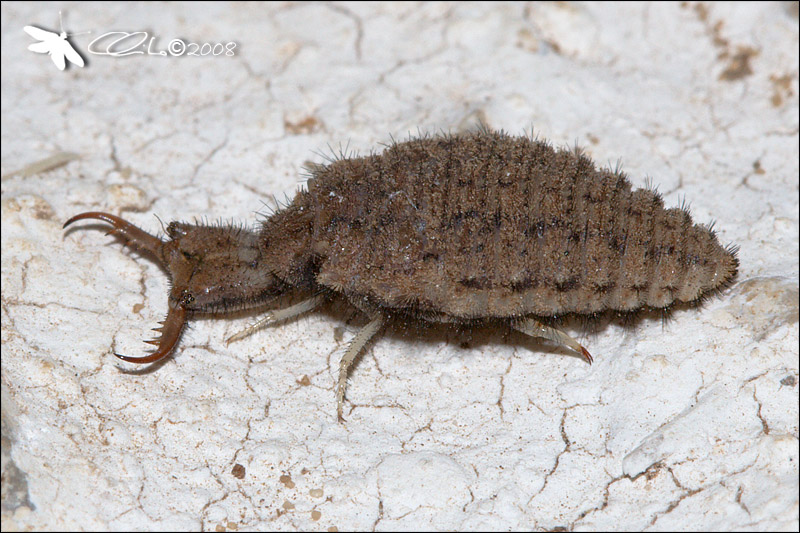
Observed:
{"x":279,"y":315}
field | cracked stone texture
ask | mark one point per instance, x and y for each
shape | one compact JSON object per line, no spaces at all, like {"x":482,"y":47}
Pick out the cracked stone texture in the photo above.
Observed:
{"x":692,"y":424}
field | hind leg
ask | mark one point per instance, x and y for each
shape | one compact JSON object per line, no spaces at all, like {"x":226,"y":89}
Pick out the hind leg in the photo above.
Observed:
{"x":356,"y":345}
{"x":534,"y":328}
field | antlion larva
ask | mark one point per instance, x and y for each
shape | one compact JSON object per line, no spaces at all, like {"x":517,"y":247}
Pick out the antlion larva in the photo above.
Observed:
{"x":465,"y":228}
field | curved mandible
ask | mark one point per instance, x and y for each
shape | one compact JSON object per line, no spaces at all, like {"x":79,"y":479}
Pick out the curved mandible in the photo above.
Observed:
{"x":133,"y":235}
{"x":172,"y":326}
{"x":170,"y":333}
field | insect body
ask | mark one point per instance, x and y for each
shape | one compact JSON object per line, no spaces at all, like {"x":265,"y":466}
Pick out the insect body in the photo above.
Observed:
{"x":54,"y":44}
{"x":463,"y":229}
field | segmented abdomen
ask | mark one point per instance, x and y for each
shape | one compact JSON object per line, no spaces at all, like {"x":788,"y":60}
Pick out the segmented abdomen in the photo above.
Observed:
{"x":488,"y":225}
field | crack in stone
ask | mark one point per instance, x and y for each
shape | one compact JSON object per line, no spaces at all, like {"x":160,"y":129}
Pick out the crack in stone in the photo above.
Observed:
{"x":764,"y":425}
{"x":208,"y":157}
{"x":566,"y":449}
{"x":359,"y":26}
{"x":688,"y":493}
{"x":650,"y":472}
{"x":380,"y":511}
{"x":500,"y":396}
{"x":739,"y":493}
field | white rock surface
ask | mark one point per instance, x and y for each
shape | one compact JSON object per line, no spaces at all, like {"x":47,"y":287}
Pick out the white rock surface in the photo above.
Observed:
{"x":691,"y":425}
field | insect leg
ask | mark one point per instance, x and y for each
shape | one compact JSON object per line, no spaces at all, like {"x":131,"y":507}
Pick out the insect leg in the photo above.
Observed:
{"x":278,"y":315}
{"x":534,"y":328}
{"x":356,"y":345}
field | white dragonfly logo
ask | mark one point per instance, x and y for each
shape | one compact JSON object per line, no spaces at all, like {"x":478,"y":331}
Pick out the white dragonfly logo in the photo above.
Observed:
{"x":54,"y":44}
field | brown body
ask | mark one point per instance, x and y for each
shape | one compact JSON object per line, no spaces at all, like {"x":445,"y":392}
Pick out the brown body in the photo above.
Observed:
{"x":491,"y":226}
{"x":446,"y":228}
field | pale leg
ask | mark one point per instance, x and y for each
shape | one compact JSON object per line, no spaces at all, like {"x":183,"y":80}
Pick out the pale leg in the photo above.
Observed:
{"x":534,"y":328}
{"x":356,"y":345}
{"x":279,"y":315}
